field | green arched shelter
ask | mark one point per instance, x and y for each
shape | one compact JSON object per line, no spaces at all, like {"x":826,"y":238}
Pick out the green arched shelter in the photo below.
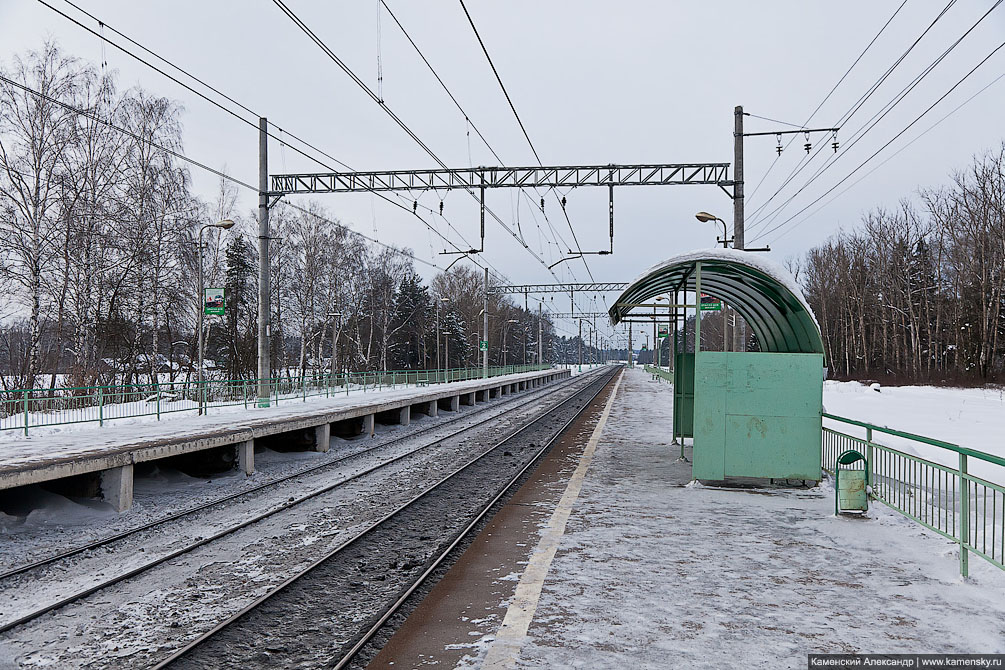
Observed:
{"x":754,"y":414}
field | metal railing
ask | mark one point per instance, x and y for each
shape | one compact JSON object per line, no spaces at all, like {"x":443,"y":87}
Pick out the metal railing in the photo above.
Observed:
{"x":942,"y":493}
{"x":24,"y":409}
{"x":660,"y":374}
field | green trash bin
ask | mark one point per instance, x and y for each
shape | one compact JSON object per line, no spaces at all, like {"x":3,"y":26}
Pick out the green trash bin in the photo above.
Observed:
{"x":852,"y":494}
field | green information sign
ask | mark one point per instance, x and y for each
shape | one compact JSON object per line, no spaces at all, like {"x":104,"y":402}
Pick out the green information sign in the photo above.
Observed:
{"x":709,"y":304}
{"x":483,"y":345}
{"x":213,"y":301}
{"x":663,"y":330}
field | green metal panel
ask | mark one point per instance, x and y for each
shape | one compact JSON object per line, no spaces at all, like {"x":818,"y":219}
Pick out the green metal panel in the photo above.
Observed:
{"x":757,"y":415}
{"x":683,"y":395}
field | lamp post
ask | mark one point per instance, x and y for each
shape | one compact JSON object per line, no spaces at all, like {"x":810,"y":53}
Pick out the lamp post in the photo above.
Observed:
{"x":438,"y":367}
{"x":224,"y":224}
{"x":334,"y":316}
{"x":705,"y":217}
{"x":506,"y":328}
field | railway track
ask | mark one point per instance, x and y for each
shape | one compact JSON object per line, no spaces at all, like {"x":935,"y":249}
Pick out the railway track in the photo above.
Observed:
{"x":269,"y":630}
{"x":53,"y":562}
{"x":272,"y":483}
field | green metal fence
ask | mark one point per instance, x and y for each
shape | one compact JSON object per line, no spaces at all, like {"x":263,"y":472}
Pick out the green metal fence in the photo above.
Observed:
{"x":24,"y":409}
{"x":942,"y":493}
{"x":660,"y":374}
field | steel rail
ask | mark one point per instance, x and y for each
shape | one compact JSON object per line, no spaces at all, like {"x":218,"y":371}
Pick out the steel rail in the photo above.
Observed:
{"x":396,"y":605}
{"x":204,"y":637}
{"x":285,"y":478}
{"x":255,"y":519}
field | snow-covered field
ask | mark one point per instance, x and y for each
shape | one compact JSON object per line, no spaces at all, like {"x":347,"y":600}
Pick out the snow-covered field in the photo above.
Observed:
{"x":972,"y":418}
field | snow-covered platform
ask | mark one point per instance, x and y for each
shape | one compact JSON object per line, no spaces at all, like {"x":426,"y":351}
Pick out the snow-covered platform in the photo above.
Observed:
{"x":112,"y":451}
{"x":618,"y":561}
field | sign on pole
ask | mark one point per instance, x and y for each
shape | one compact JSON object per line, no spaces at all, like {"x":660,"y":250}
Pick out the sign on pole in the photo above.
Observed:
{"x":710,"y":304}
{"x":483,"y":345}
{"x":213,"y":301}
{"x":663,"y":330}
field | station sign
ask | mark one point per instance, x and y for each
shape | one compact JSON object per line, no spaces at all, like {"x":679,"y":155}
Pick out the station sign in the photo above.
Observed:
{"x":663,"y":330}
{"x":483,"y":345}
{"x":213,"y":301}
{"x":710,"y":304}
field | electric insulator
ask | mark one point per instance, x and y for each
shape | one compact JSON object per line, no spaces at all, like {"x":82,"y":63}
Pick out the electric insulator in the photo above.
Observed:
{"x":807,"y":146}
{"x":779,"y":147}
{"x":563,"y":202}
{"x":415,"y":206}
{"x":542,"y":204}
{"x":779,"y":150}
{"x":834,"y":145}
{"x":441,"y":208}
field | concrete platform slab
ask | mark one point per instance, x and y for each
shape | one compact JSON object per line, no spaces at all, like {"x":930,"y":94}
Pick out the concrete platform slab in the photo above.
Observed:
{"x":54,"y":455}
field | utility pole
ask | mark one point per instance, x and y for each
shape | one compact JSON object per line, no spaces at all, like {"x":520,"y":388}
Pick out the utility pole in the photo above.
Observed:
{"x":264,"y":288}
{"x":738,"y":240}
{"x":485,"y":326}
{"x":630,"y":361}
{"x":580,"y":345}
{"x":437,"y":339}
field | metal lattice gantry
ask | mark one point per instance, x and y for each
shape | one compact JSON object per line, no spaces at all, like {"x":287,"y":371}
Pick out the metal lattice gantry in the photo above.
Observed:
{"x":586,"y":287}
{"x":569,"y":176}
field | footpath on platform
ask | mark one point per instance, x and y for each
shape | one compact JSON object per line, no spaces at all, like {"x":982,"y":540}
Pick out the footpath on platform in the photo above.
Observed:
{"x":622,"y":562}
{"x":111,"y":451}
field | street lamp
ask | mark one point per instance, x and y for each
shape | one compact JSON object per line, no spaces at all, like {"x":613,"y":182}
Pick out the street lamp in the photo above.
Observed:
{"x":505,"y":328}
{"x":224,"y":224}
{"x":334,"y":316}
{"x":705,"y":217}
{"x":438,"y":367}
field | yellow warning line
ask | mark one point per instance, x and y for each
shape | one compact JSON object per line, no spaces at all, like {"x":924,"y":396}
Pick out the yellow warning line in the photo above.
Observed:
{"x":505,"y":648}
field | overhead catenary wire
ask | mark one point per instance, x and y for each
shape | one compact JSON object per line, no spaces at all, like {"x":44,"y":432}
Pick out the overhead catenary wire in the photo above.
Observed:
{"x":523,"y":128}
{"x":191,"y":161}
{"x":853,"y":109}
{"x":359,"y":82}
{"x":467,"y":118}
{"x":229,"y":111}
{"x":878,"y":116}
{"x":888,"y":143}
{"x":890,"y":157}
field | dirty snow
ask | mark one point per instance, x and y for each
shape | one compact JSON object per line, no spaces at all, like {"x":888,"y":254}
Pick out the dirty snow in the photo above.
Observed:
{"x":652,"y":573}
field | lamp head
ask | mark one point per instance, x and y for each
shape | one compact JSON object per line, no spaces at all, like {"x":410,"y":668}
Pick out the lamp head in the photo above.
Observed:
{"x":705,"y":217}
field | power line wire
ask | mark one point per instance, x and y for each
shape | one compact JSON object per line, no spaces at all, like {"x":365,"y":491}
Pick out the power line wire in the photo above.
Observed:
{"x":231,"y":112}
{"x":888,"y":143}
{"x":886,"y":109}
{"x":523,"y":128}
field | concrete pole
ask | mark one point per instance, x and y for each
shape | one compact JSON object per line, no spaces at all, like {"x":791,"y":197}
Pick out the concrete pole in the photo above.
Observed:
{"x":485,"y":325}
{"x":264,"y":287}
{"x":580,"y":345}
{"x":738,"y":239}
{"x":630,"y":362}
{"x":200,"y":301}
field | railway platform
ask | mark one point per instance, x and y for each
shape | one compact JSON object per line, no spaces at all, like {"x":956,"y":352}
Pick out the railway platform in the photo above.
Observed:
{"x":609,"y":556}
{"x":100,"y":461}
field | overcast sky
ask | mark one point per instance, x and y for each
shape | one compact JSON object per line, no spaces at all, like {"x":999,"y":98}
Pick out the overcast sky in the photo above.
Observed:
{"x":594,"y":82}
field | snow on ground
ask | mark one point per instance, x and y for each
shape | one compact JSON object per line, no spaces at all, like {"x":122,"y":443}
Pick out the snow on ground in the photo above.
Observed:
{"x":973,"y":418}
{"x":655,"y":574}
{"x":88,"y":438}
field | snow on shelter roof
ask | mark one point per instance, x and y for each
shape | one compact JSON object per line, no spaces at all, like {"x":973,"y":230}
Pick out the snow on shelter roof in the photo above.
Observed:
{"x":764,"y":294}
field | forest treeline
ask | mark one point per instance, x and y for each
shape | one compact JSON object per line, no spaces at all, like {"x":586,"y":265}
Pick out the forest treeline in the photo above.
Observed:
{"x":915,"y":293}
{"x":98,"y":257}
